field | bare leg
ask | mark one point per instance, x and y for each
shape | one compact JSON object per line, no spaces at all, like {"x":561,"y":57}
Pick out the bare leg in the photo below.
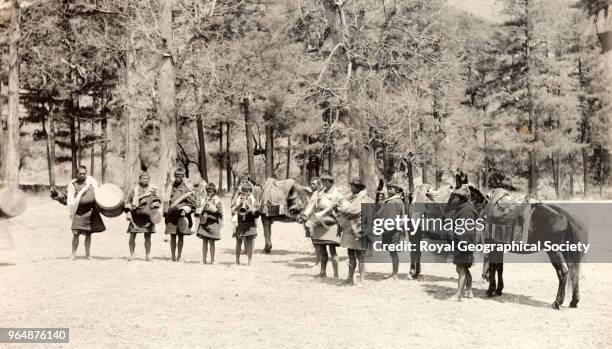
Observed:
{"x":87,"y":245}
{"x":324,"y":258}
{"x":352,"y":265}
{"x":173,"y":246}
{"x":238,"y":245}
{"x":179,"y":247}
{"x":132,"y":244}
{"x":317,"y":254}
{"x":461,"y":282}
{"x":75,"y":245}
{"x":204,"y":249}
{"x":468,"y":284}
{"x":212,"y":251}
{"x":362,"y":267}
{"x":395,"y":264}
{"x":249,"y":247}
{"x":334,"y":260}
{"x":147,"y":244}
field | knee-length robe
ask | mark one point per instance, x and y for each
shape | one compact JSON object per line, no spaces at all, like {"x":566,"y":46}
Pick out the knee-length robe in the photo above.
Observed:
{"x":81,"y":204}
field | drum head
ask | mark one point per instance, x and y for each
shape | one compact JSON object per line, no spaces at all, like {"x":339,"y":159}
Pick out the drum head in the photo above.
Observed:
{"x":183,"y":225}
{"x":156,"y":216}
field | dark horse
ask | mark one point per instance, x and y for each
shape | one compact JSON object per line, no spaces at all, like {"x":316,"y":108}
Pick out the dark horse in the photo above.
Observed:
{"x":547,"y":223}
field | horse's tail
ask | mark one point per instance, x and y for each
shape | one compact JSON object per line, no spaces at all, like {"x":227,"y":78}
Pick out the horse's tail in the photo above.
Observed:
{"x":575,"y":232}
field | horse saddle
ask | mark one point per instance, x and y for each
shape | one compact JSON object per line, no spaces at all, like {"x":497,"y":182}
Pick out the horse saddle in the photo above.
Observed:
{"x":508,"y":218}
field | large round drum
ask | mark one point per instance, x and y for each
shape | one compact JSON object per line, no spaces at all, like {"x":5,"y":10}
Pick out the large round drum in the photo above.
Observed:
{"x":110,"y":200}
{"x":12,"y":202}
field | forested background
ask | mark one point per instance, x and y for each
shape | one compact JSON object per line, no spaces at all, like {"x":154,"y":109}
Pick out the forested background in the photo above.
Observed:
{"x":514,"y":92}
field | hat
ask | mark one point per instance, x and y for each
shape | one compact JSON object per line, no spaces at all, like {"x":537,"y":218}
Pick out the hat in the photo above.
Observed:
{"x":315,"y":180}
{"x":395,"y":185}
{"x":246,"y":186}
{"x":327,"y":177}
{"x":462,"y":192}
{"x":357,"y":181}
{"x":179,"y":170}
{"x":211,"y":186}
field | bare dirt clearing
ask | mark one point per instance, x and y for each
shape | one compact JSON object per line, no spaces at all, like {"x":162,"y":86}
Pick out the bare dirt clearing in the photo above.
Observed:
{"x":110,"y":302}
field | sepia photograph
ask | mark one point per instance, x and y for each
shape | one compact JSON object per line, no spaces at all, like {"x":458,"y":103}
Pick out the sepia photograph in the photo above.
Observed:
{"x":305,"y":173}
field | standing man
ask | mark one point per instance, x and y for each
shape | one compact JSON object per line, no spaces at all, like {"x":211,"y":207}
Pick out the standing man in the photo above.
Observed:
{"x":138,"y":210}
{"x":390,"y":208}
{"x":462,"y":208}
{"x":325,"y":232}
{"x":315,"y":186}
{"x":246,"y":209}
{"x":178,"y":207}
{"x":83,"y":212}
{"x":353,"y":238}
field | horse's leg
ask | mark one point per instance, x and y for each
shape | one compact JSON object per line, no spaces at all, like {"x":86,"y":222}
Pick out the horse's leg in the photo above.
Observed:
{"x":574,"y":273}
{"x":267,"y":228}
{"x":415,"y":256}
{"x":558,"y":262}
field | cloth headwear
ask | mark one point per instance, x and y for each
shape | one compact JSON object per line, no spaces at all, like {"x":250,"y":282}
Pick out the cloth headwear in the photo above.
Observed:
{"x":327,"y":177}
{"x":357,"y":181}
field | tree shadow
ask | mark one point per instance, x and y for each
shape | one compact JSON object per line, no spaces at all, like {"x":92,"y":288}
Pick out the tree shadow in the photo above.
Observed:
{"x":443,"y":293}
{"x":315,"y":278}
{"x":6,"y":264}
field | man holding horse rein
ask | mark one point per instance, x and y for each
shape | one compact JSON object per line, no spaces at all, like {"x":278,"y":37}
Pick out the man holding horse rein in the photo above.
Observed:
{"x":391,"y":207}
{"x":177,"y":209}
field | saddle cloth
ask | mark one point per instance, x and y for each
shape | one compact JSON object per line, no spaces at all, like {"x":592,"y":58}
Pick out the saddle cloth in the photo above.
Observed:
{"x":273,"y":201}
{"x":507,"y":218}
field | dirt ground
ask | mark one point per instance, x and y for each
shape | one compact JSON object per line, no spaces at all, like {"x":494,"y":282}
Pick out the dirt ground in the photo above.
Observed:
{"x":109,"y":302}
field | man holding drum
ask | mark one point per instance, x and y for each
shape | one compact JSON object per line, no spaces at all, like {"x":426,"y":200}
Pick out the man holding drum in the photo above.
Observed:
{"x":177,"y":209}
{"x":140,"y":206}
{"x":83,"y":212}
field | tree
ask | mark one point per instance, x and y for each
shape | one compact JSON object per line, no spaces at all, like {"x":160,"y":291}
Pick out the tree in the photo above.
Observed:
{"x":11,"y":151}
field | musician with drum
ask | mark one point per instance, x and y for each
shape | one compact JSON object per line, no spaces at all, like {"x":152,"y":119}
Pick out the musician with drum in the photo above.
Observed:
{"x":246,"y":210}
{"x":142,"y":211}
{"x":178,"y":206}
{"x":211,"y":221}
{"x":83,"y":212}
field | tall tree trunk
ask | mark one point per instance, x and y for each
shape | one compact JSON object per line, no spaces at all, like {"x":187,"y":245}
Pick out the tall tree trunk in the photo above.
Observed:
{"x":572,"y":174}
{"x":73,"y":145}
{"x":132,"y":125}
{"x":288,"y":173}
{"x":410,"y":173}
{"x":103,"y":146}
{"x":221,"y":156}
{"x":304,"y":168}
{"x":269,"y":150}
{"x":79,"y":142}
{"x":50,"y":138}
{"x":555,"y":160}
{"x":2,"y":136}
{"x":533,"y":121}
{"x":424,"y":172}
{"x":248,"y":131}
{"x":228,"y":160}
{"x":202,"y":149}
{"x":92,"y":162}
{"x":167,"y":96}
{"x":12,"y":151}
{"x":349,"y":172}
{"x":585,"y":172}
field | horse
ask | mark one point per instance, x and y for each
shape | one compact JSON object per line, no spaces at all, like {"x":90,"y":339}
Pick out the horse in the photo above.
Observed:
{"x":547,"y":223}
{"x":281,"y":200}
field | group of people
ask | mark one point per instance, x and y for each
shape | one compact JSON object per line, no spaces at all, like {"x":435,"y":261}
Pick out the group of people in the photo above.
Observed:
{"x":330,"y":219}
{"x":185,"y":212}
